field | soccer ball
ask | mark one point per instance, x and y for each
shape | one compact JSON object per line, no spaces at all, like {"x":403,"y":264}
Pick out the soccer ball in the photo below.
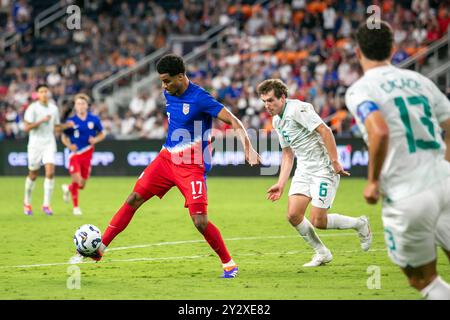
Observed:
{"x":87,"y":239}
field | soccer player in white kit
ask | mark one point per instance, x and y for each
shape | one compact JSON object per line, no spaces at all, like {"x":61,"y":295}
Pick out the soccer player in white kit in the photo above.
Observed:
{"x":401,"y":113}
{"x":302,"y":131}
{"x":41,"y":119}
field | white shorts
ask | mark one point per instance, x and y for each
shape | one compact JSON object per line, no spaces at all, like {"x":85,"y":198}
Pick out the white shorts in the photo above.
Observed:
{"x":320,"y":188}
{"x":415,"y":225}
{"x":44,"y":154}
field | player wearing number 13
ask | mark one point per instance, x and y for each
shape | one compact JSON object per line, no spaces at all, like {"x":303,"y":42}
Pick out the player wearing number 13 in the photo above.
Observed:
{"x":184,"y":159}
{"x":400,"y":114}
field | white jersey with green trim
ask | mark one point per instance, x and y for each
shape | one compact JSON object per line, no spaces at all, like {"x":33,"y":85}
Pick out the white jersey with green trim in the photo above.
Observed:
{"x":413,"y":108}
{"x":42,"y":135}
{"x":295,"y":127}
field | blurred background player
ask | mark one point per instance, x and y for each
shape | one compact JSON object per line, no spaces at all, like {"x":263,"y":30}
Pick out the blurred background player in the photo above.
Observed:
{"x":184,"y":159}
{"x":316,"y":178}
{"x":400,"y":113}
{"x":40,"y":121}
{"x":87,"y":131}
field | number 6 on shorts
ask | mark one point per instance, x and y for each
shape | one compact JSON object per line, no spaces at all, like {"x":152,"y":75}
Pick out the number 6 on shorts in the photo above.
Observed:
{"x":323,"y":189}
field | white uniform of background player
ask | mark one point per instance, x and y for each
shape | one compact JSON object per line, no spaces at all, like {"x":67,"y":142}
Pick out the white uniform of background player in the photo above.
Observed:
{"x":41,"y":142}
{"x":41,"y":118}
{"x":314,"y":175}
{"x":400,"y":113}
{"x":415,"y":180}
{"x":302,"y":131}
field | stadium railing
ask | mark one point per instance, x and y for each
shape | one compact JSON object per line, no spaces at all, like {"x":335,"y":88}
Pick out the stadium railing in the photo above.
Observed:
{"x":118,"y":89}
{"x":51,"y":14}
{"x":111,"y":89}
{"x":197,"y":54}
{"x":432,"y":62}
{"x":9,"y":39}
{"x":441,"y":72}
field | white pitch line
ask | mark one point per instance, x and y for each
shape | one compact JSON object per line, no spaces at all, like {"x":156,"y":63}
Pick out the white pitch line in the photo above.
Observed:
{"x":185,"y":257}
{"x":237,"y":255}
{"x":229,"y":239}
{"x":43,"y":265}
{"x":181,"y":258}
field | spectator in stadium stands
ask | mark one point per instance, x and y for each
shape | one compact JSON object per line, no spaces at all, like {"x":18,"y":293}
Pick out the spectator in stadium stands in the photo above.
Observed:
{"x":305,"y":43}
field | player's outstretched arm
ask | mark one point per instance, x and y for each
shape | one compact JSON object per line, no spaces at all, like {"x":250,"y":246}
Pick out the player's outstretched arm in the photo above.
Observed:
{"x":445,"y":125}
{"x":330,"y":144}
{"x":59,"y":128}
{"x":64,"y":126}
{"x":378,"y":140}
{"x":251,"y":155}
{"x":287,"y":162}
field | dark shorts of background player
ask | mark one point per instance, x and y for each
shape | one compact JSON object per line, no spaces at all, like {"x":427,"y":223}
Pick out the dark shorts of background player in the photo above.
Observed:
{"x":162,"y":174}
{"x":81,"y":163}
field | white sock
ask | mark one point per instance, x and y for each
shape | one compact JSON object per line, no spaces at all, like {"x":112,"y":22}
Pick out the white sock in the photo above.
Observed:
{"x":29,"y":186}
{"x":338,"y":221}
{"x":306,"y":230}
{"x":229,"y":264}
{"x":49,"y":184}
{"x":438,"y":289}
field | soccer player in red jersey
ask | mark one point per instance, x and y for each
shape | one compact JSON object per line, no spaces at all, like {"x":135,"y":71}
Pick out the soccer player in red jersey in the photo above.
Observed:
{"x":184,"y":159}
{"x":87,"y":131}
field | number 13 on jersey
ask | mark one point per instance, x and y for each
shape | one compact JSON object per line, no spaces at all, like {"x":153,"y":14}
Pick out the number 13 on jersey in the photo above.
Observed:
{"x":426,"y":121}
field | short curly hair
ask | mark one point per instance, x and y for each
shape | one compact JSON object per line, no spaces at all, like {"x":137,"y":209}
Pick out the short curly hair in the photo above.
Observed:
{"x":171,"y":64}
{"x":278,"y":87}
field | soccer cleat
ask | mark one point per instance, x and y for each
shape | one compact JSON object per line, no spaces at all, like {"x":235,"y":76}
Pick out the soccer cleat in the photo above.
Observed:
{"x":364,"y":233}
{"x":77,"y":211}
{"x":27,"y":210}
{"x":47,"y":210}
{"x":320,"y":259}
{"x":97,"y":255}
{"x":230,"y":272}
{"x":66,"y":192}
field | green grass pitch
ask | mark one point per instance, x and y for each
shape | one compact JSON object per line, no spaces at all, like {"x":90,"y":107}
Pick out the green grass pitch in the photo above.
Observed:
{"x":161,"y":256}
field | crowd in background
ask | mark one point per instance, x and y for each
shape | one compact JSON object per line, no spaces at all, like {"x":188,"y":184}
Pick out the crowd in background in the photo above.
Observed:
{"x":307,"y":44}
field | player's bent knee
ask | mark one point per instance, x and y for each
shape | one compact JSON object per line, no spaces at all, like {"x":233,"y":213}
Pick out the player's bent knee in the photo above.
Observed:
{"x":135,"y":200}
{"x":420,"y":277}
{"x":200,"y":222}
{"x":419,"y":283}
{"x":201,"y":226}
{"x":49,"y":175}
{"x":33,"y":175}
{"x":294,"y":218}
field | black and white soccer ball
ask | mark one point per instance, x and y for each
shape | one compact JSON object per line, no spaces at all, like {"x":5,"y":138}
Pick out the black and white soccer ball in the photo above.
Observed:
{"x":87,"y":239}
